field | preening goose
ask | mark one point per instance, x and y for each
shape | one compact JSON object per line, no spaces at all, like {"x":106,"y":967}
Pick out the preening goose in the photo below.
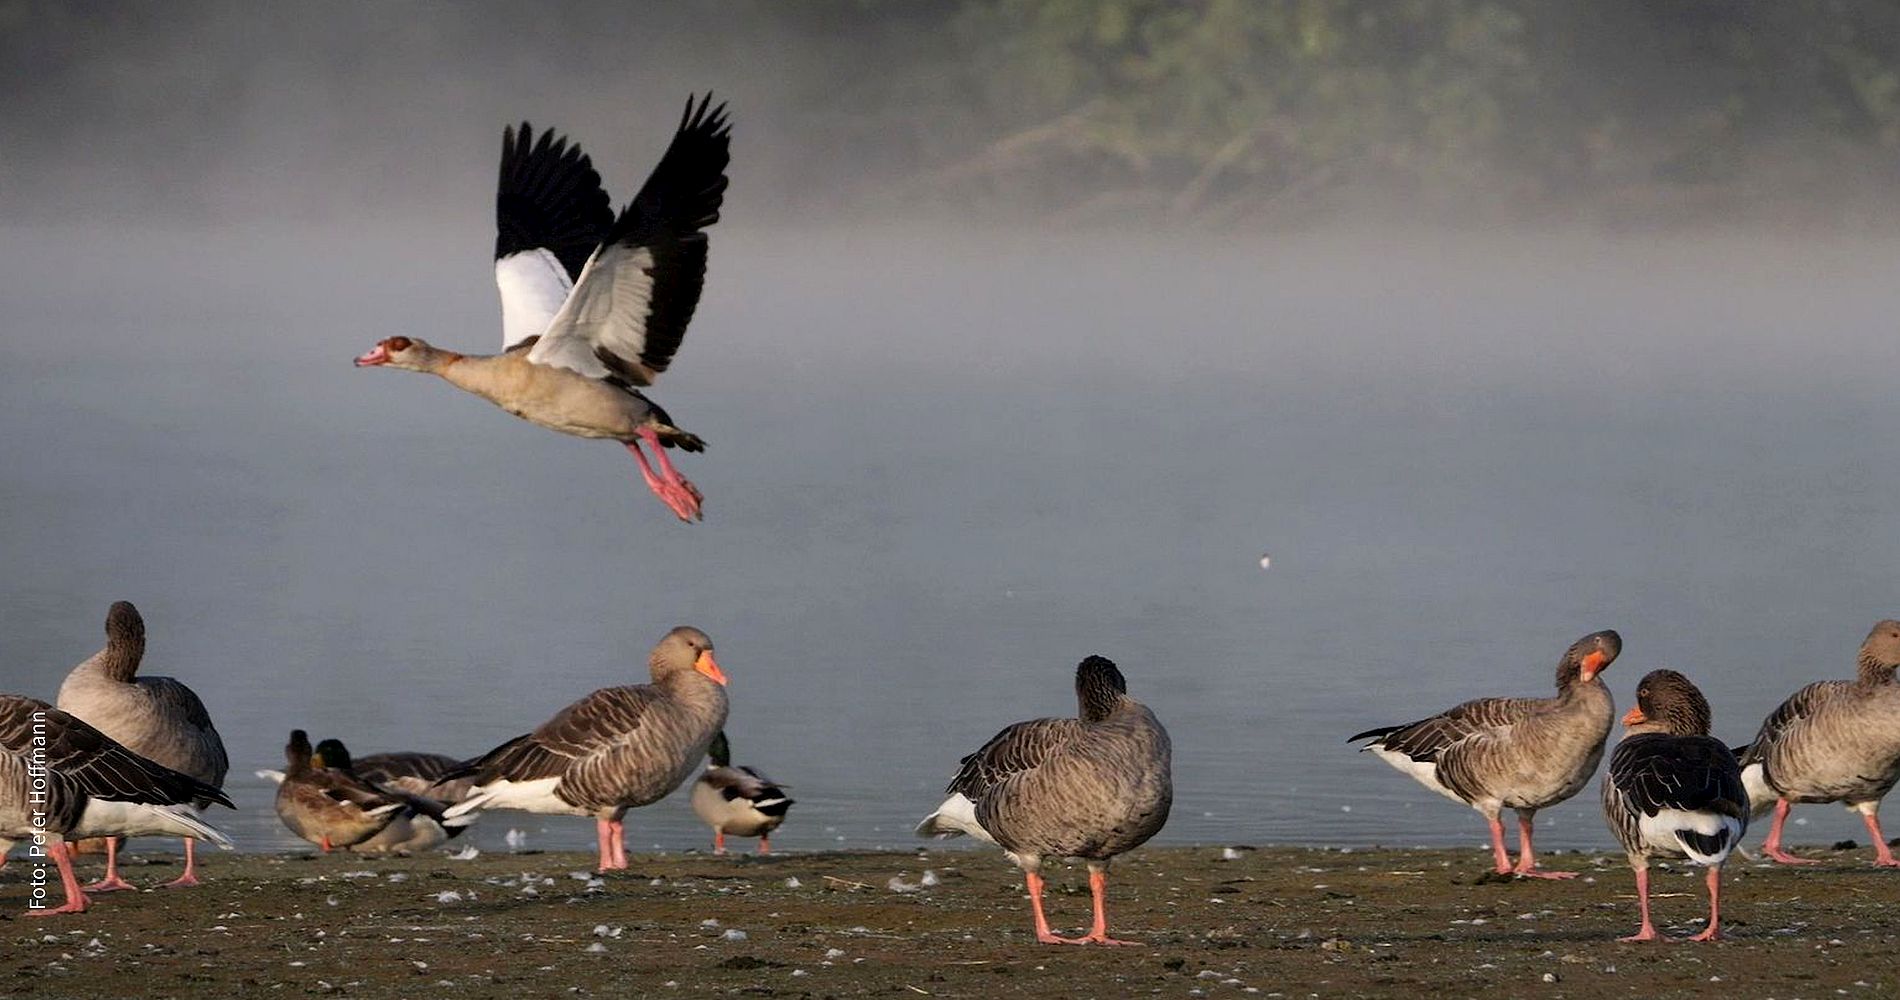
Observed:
{"x":1832,"y":741}
{"x":156,"y":717}
{"x":1090,"y":787}
{"x":63,"y":780}
{"x":738,"y":800}
{"x":616,"y":749}
{"x":1673,"y":790}
{"x":593,"y":305}
{"x":328,"y":807}
{"x":1516,"y":753}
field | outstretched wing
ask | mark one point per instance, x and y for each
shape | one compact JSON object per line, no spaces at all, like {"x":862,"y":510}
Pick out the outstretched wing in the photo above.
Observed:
{"x":629,"y":308}
{"x":550,"y":214}
{"x":1018,"y":748}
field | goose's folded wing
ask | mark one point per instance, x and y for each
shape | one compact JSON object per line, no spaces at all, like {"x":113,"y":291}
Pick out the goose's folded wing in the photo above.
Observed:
{"x":592,"y":728}
{"x":1018,"y":748}
{"x":629,"y":308}
{"x":1801,"y":705}
{"x":1686,"y":773}
{"x":96,"y":764}
{"x":550,"y":214}
{"x":1427,"y":739}
{"x":394,"y":768}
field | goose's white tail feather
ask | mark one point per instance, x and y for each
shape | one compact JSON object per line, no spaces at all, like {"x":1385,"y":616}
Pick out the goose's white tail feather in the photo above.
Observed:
{"x":1761,"y":796}
{"x":105,"y":818}
{"x":529,"y":796}
{"x":955,"y":817}
{"x":274,"y":777}
{"x":1667,"y":829}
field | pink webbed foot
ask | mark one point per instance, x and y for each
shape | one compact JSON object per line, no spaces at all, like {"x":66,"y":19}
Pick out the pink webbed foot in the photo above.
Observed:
{"x":1778,"y":855}
{"x":1712,"y":934}
{"x":1648,"y":933}
{"x":70,"y":906}
{"x":111,"y":883}
{"x":1541,"y":873}
{"x":184,"y":881}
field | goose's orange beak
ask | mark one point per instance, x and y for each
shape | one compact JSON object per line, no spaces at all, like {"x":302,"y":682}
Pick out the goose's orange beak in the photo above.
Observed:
{"x":1635,"y":717}
{"x":1593,"y":662}
{"x":378,"y":355}
{"x":710,"y":667}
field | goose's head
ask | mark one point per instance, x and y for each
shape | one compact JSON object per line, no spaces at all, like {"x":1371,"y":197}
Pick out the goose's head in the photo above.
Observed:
{"x":401,"y":352}
{"x":1880,"y":653}
{"x":1667,"y":702}
{"x":1588,"y":656}
{"x":685,"y":649}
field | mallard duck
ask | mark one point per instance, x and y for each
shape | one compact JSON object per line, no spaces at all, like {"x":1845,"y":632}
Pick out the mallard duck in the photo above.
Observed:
{"x":737,"y":800}
{"x":328,"y":807}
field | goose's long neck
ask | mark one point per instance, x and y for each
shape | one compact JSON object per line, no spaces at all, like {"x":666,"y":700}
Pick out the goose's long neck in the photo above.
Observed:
{"x":119,"y":661}
{"x":1873,"y":671}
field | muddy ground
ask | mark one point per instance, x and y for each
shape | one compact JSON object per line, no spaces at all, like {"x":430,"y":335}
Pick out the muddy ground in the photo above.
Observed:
{"x":1272,"y":922}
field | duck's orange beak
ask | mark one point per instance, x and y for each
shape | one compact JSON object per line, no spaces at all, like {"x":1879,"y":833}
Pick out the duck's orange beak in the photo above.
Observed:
{"x":1635,"y":717}
{"x":1593,"y":662}
{"x":378,"y":355}
{"x":710,"y":667}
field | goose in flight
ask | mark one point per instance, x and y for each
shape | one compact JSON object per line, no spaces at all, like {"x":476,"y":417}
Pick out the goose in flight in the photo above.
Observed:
{"x":593,"y":305}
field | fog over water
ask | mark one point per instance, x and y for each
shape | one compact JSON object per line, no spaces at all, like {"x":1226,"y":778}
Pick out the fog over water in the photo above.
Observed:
{"x":945,"y":464}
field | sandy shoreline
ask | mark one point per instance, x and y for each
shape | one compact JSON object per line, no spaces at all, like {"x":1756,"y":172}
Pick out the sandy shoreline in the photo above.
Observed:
{"x":1272,"y":922}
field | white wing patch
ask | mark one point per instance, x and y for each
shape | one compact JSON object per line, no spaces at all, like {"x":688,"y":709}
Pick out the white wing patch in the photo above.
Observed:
{"x":607,"y":310}
{"x":1422,"y":771}
{"x":533,"y":285}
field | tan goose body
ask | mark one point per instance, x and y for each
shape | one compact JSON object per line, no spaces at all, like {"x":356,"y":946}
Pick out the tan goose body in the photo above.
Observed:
{"x":1523,"y":754}
{"x":1091,"y":787}
{"x":615,"y":749}
{"x":65,"y":780}
{"x":158,"y":718}
{"x":1832,"y":741}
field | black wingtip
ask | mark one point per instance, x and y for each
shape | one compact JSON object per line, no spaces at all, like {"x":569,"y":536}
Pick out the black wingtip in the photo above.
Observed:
{"x":1379,"y":733}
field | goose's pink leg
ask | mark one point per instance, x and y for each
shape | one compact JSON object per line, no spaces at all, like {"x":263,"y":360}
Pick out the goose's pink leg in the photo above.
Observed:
{"x":618,"y":830}
{"x":112,"y":882}
{"x":673,"y":489}
{"x":76,"y":901}
{"x":1648,"y":930}
{"x":1098,"y":934}
{"x":1883,"y":855}
{"x":1498,"y":853}
{"x":1526,"y":859}
{"x":190,"y":877}
{"x":765,"y":845}
{"x":1771,"y":847}
{"x":1714,"y":931}
{"x":1043,"y":933}
{"x":719,"y":841}
{"x":603,"y":833}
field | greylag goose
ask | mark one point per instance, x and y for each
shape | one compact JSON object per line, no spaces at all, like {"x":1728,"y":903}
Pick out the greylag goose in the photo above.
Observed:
{"x":62,"y":780}
{"x":418,"y":826}
{"x":1673,"y":790}
{"x":1091,"y":787}
{"x":593,"y":305}
{"x":1832,"y":741}
{"x":616,"y":749}
{"x":1517,"y":753}
{"x":737,"y":800}
{"x":155,"y":717}
{"x":413,"y":772}
{"x":329,"y":807}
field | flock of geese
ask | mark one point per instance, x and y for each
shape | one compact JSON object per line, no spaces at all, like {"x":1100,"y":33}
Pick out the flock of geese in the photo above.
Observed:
{"x":594,"y":306}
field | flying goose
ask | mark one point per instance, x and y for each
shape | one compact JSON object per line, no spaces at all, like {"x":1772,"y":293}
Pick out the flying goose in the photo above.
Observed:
{"x":1517,"y":753}
{"x":593,"y":305}
{"x":156,"y":717}
{"x":1673,"y":790}
{"x":737,"y":800}
{"x":418,"y":826}
{"x":616,"y":749}
{"x":1832,"y":741}
{"x":1090,"y":787}
{"x":328,"y":807}
{"x":63,"y":780}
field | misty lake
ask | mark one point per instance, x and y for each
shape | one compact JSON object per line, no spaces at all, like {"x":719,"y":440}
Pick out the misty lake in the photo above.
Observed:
{"x":943,"y":469}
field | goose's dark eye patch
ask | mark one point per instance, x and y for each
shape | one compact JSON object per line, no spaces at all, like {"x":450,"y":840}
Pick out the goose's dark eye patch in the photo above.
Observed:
{"x":398,"y":343}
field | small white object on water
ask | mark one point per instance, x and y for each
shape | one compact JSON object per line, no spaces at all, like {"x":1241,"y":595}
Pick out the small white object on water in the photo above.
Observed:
{"x":469,"y":853}
{"x":1266,"y":561}
{"x":1345,"y":809}
{"x":734,"y":934}
{"x":448,"y":896}
{"x":514,"y":837}
{"x":793,"y":883}
{"x":1229,"y":854}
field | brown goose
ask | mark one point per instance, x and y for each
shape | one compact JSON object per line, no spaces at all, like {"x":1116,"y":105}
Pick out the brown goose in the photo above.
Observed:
{"x":63,"y":780}
{"x":738,"y":800}
{"x":1832,"y":741}
{"x":1090,"y":787}
{"x":155,"y":717}
{"x":328,"y":807}
{"x":616,"y":749}
{"x":1674,"y":790}
{"x":593,"y":306}
{"x":1517,"y":753}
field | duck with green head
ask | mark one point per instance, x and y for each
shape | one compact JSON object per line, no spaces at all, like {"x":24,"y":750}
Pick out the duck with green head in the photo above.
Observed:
{"x":737,"y":800}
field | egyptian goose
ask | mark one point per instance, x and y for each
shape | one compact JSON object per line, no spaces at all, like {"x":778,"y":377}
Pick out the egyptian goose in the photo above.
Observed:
{"x":1832,"y":741}
{"x":593,"y":305}
{"x":737,"y":800}
{"x":616,"y":749}
{"x":63,"y":780}
{"x":1091,"y":787}
{"x":156,"y":717}
{"x":1673,"y":790}
{"x":1518,"y":753}
{"x":328,"y":807}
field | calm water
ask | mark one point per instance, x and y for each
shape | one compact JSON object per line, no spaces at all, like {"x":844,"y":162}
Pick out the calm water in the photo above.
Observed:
{"x":945,"y":469}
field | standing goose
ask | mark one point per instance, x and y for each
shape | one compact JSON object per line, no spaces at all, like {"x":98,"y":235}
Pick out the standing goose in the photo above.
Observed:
{"x":1674,"y":790}
{"x":155,"y":717}
{"x":593,"y":306}
{"x":1832,"y":741}
{"x":328,"y":807}
{"x":616,"y":749}
{"x":62,"y":779}
{"x":737,"y":800}
{"x":1090,"y":787}
{"x":1517,"y":753}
